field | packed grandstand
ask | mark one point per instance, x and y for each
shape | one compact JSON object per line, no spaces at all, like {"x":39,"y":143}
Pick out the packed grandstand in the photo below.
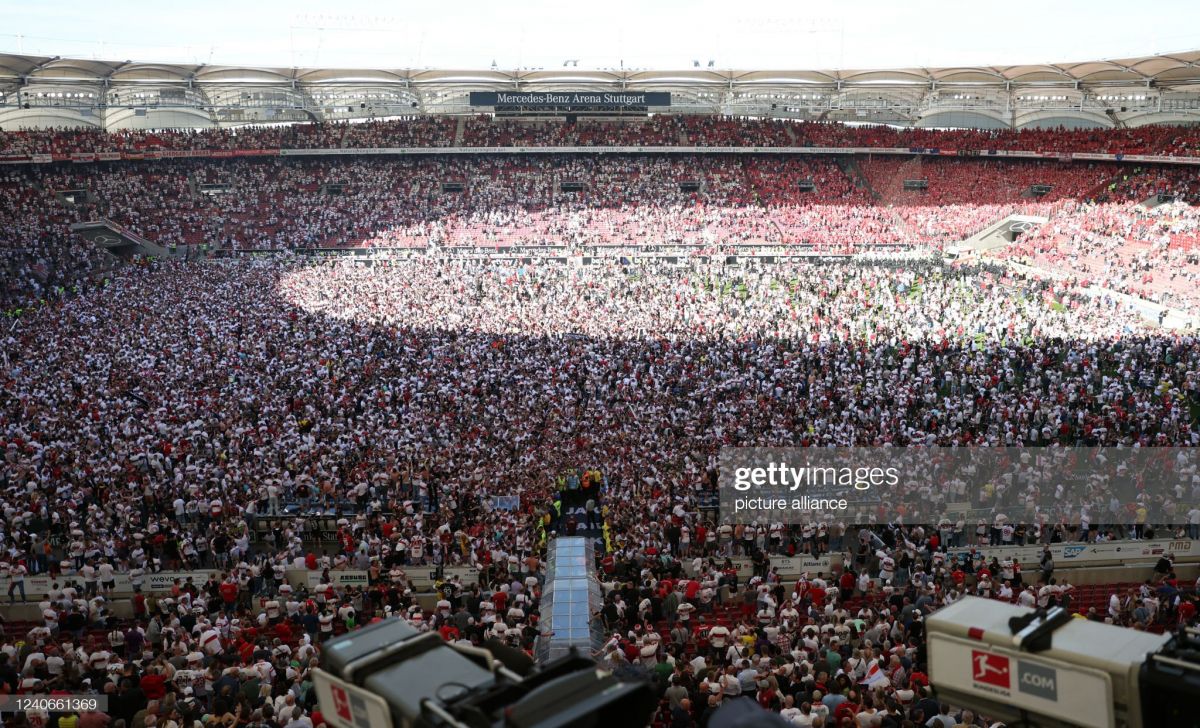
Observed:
{"x":318,"y":417}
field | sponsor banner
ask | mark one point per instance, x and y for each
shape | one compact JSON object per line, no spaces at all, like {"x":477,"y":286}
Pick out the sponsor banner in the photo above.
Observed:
{"x":83,"y":157}
{"x":1037,"y":680}
{"x":225,"y":153}
{"x":797,"y":565}
{"x":337,"y":577}
{"x":1069,"y":555}
{"x":1042,"y":686}
{"x":421,"y":576}
{"x":570,"y":99}
{"x":38,"y":586}
{"x":467,"y":574}
{"x":109,"y":156}
{"x":164,"y":580}
{"x":348,"y":706}
{"x":427,"y":576}
{"x":788,"y":567}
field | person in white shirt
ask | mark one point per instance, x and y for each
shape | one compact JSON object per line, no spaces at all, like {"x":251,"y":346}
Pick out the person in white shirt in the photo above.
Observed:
{"x":90,"y":580}
{"x":805,"y":716}
{"x":107,"y":577}
{"x":326,"y":624}
{"x":1005,"y":593}
{"x":718,"y":637}
{"x":55,"y":664}
{"x":210,"y":641}
{"x":50,"y":616}
{"x":16,"y":580}
{"x":790,"y":711}
{"x":99,"y":659}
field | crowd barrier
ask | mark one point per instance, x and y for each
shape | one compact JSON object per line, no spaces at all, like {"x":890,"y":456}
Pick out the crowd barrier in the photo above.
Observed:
{"x":1069,"y":555}
{"x":39,"y":585}
{"x":422,"y":577}
{"x":785,"y":566}
{"x":1080,"y":555}
{"x":1066,"y":556}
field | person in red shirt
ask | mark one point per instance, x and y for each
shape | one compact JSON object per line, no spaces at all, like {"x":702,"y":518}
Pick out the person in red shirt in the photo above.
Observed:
{"x":229,"y":594}
{"x":154,"y":685}
{"x":817,"y":595}
{"x":848,"y":709}
{"x":246,"y":649}
{"x":1187,"y":610}
{"x":958,"y":576}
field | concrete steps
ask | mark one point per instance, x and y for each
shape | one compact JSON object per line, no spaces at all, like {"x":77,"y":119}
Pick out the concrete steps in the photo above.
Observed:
{"x":996,"y":235}
{"x":123,"y":243}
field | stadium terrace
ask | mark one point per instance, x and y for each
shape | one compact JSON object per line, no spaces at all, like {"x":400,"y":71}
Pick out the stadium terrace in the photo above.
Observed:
{"x":279,"y":368}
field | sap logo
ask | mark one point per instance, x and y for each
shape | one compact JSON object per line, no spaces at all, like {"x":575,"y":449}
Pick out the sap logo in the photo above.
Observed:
{"x":1071,"y":552}
{"x":990,"y":669}
{"x":1037,"y":680}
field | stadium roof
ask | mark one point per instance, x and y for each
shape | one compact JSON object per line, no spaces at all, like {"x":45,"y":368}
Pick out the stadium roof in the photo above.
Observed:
{"x":39,"y":91}
{"x":1171,"y":68}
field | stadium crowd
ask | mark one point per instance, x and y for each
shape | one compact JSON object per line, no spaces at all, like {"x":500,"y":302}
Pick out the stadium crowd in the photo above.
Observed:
{"x":710,"y":201}
{"x":656,"y":130}
{"x":146,"y":424}
{"x":1149,"y":253}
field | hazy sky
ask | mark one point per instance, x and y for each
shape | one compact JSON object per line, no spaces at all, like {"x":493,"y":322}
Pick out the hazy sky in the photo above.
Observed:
{"x":646,"y":34}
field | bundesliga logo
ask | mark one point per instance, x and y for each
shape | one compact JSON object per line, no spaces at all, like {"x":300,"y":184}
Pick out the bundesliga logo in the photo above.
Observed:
{"x":990,"y":669}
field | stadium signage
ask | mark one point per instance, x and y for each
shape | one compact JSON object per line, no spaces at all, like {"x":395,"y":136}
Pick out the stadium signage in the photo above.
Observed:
{"x":570,"y":99}
{"x":1077,"y":694}
{"x":161,"y":581}
{"x":1081,"y":554}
